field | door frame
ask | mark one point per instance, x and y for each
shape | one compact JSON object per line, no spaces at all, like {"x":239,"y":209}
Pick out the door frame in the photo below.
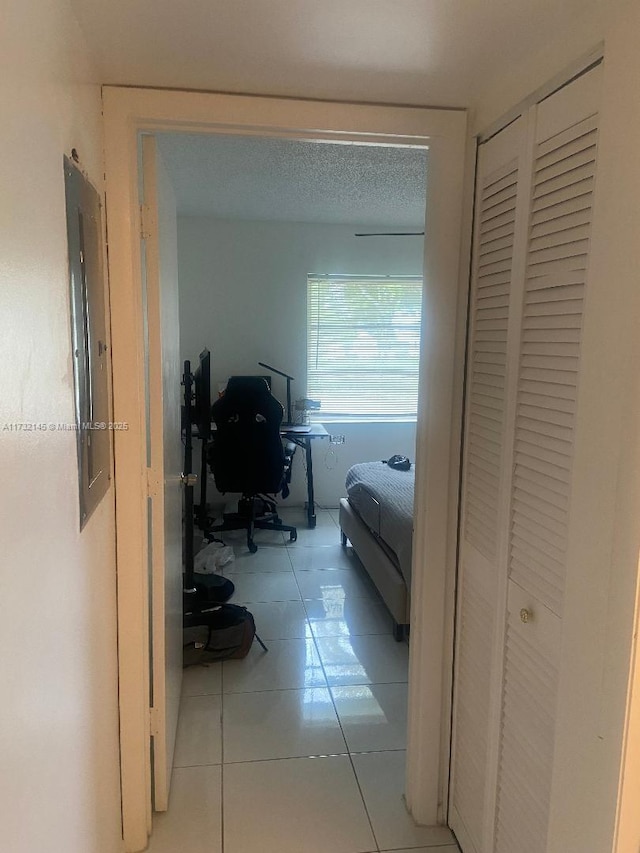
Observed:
{"x":129,"y":111}
{"x":165,"y":461}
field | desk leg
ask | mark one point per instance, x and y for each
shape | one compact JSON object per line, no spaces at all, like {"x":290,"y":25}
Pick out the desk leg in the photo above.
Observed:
{"x":311,"y":509}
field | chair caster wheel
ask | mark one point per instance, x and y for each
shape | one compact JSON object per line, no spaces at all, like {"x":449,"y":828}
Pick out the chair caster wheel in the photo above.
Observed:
{"x":293,"y":536}
{"x":252,"y":547}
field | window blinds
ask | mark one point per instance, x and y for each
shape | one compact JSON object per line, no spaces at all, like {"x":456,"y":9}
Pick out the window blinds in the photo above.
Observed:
{"x":363,"y":345}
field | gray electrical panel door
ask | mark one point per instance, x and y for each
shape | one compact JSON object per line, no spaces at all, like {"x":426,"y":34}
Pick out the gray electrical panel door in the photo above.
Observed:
{"x":88,"y":338}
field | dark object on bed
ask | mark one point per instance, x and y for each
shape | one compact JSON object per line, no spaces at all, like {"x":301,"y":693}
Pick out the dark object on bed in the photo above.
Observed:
{"x":400,"y":463}
{"x":377,"y":518}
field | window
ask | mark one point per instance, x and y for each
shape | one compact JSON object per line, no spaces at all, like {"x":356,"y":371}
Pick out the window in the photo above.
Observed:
{"x":363,"y":345}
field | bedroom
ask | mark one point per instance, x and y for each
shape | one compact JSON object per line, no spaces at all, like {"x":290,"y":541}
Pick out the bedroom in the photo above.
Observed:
{"x":257,"y":218}
{"x":257,"y":221}
{"x":266,"y":229}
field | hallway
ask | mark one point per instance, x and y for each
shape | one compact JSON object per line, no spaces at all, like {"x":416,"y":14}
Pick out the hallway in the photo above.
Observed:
{"x":301,"y":749}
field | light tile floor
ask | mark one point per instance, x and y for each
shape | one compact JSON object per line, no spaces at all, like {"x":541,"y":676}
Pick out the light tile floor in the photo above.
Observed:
{"x":299,"y":749}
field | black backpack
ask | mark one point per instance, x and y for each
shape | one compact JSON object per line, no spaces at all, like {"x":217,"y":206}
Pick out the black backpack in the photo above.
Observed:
{"x":222,"y":633}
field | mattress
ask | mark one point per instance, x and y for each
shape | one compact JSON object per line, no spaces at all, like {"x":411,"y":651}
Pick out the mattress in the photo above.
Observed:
{"x":383,"y":498}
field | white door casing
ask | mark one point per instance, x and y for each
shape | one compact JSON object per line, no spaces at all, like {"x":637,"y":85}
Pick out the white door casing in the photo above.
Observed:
{"x":128,"y":112}
{"x":159,"y":251}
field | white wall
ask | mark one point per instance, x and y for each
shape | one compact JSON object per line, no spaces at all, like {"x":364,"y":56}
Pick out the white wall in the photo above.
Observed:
{"x":610,"y":451}
{"x":59,"y":782}
{"x":508,"y":86}
{"x":243,"y":294}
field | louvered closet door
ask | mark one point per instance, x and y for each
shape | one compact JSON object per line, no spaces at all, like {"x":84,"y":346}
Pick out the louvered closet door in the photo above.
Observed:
{"x":547,"y":387}
{"x":496,"y":194}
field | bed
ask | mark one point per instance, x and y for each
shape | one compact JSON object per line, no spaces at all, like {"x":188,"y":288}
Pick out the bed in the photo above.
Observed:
{"x":377,"y":518}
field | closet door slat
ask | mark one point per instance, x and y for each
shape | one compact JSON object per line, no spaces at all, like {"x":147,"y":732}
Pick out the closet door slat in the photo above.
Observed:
{"x":472,"y":714}
{"x":486,"y":398}
{"x":483,"y":486}
{"x":527,"y":727}
{"x":548,"y":379}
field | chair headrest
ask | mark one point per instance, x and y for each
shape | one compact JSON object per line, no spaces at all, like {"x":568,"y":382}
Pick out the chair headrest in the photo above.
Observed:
{"x":248,"y":386}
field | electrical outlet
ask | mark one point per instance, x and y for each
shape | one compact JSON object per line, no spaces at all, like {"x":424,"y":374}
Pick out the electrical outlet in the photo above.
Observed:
{"x":337,"y":439}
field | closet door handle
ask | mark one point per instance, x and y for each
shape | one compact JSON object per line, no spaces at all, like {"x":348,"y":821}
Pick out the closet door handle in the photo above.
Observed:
{"x":526,"y":615}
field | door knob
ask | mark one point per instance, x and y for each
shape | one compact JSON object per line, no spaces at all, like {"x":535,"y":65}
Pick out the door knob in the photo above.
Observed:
{"x":526,"y":615}
{"x":188,"y":479}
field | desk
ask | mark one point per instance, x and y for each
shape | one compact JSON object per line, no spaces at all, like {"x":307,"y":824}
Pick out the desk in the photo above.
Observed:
{"x":304,"y":439}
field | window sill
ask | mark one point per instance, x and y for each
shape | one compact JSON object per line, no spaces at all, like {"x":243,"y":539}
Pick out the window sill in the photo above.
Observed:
{"x":346,"y":419}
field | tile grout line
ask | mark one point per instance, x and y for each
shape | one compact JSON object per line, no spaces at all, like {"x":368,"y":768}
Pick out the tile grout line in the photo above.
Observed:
{"x":303,"y":757}
{"x":353,"y":767}
{"x":313,"y":687}
{"x":350,"y":753}
{"x":355,"y":776}
{"x":222,"y":757}
{"x":309,"y":634}
{"x":285,"y":689}
{"x":335,"y":710}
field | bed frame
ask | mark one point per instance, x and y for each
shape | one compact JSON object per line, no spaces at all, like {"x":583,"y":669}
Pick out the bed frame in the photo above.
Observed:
{"x":379,"y":565}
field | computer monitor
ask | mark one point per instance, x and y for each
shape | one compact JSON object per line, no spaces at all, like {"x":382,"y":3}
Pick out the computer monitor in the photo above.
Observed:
{"x":201,"y":418}
{"x":202,"y":402}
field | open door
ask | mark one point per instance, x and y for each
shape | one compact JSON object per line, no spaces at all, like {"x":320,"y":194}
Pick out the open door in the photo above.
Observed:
{"x":164,"y":459}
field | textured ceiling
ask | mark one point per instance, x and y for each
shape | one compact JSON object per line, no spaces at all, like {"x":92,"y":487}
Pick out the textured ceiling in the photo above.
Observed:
{"x":427,"y":52}
{"x":235,"y":177}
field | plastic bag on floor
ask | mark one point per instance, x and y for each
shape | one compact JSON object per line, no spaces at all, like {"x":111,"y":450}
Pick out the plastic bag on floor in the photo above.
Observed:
{"x":212,"y":558}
